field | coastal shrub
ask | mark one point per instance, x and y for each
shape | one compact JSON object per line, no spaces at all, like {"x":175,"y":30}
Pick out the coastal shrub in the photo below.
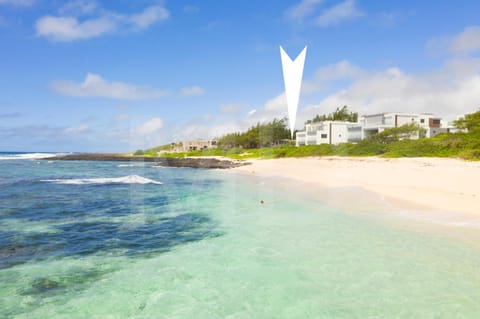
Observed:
{"x":398,"y":133}
{"x":311,"y":150}
{"x":138,"y":152}
{"x":389,"y":143}
{"x":417,"y":148}
{"x":470,"y":122}
{"x":260,"y":135}
{"x":345,"y":149}
{"x":340,"y":114}
{"x":368,"y":148}
{"x":470,"y":155}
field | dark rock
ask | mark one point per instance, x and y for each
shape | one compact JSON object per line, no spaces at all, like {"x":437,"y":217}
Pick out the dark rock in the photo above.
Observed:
{"x":41,"y":285}
{"x":193,"y":162}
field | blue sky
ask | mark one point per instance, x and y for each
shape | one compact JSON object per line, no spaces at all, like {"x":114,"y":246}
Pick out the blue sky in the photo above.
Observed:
{"x":120,"y":75}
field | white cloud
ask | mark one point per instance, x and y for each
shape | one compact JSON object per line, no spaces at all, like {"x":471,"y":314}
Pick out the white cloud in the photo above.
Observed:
{"x":450,"y":91}
{"x":343,"y":11}
{"x":74,"y":130}
{"x":338,"y":71}
{"x":231,"y":108}
{"x":466,"y":42}
{"x":193,"y":90}
{"x":302,"y":9}
{"x":204,"y":129}
{"x":78,"y":7}
{"x":18,"y":2}
{"x":343,"y":70}
{"x":149,"y":16}
{"x":96,"y":86}
{"x":69,"y":28}
{"x":151,"y":126}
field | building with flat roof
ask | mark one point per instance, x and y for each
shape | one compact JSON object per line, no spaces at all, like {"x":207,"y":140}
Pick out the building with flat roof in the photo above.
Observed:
{"x":194,"y":145}
{"x":336,"y":132}
{"x":376,"y":123}
{"x":329,"y":132}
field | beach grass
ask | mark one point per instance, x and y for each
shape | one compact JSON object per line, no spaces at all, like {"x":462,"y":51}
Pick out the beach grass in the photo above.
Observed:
{"x":457,"y":145}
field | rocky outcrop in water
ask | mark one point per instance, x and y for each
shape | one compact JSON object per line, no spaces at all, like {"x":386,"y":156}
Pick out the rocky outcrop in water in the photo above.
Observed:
{"x":194,"y":162}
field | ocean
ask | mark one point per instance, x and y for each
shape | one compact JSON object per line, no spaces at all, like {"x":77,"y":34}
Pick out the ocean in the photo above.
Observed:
{"x":130,"y":240}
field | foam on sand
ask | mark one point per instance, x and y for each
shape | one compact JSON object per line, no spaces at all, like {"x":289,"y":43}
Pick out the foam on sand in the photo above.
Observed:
{"x":130,"y":179}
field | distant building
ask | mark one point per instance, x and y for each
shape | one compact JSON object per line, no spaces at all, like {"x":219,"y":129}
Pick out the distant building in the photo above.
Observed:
{"x":329,"y":132}
{"x":376,"y":123}
{"x":336,"y":132}
{"x":195,"y":145}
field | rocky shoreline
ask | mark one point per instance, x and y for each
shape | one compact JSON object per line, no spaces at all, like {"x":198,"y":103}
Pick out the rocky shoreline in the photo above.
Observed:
{"x":193,"y":162}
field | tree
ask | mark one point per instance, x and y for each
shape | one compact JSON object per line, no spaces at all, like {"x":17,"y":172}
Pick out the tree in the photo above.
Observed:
{"x":340,"y":114}
{"x":470,"y":122}
{"x":395,"y":134}
{"x":257,"y":136}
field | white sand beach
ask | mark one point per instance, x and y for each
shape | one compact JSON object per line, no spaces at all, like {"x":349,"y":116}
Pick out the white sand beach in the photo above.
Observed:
{"x":443,"y":185}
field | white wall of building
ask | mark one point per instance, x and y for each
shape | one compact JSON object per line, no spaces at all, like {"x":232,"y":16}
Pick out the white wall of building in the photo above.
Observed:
{"x":336,"y":132}
{"x":327,"y":132}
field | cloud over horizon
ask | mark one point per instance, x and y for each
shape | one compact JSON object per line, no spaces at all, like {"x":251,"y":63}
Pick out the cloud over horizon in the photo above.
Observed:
{"x":149,"y":127}
{"x":466,"y":42}
{"x":450,"y":91}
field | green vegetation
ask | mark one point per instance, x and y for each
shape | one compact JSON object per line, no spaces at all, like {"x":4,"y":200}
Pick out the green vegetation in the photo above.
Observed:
{"x":393,"y":142}
{"x":152,"y":152}
{"x":396,"y":134}
{"x":260,"y":135}
{"x":470,"y":122}
{"x":340,"y":114}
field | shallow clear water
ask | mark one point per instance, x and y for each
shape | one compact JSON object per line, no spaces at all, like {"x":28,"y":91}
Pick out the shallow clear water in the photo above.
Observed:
{"x":201,"y":245}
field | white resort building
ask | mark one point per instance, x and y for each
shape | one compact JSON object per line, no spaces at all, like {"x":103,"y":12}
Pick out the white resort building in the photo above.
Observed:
{"x":376,"y":123}
{"x":336,"y":132}
{"x":194,"y":145}
{"x":329,"y":132}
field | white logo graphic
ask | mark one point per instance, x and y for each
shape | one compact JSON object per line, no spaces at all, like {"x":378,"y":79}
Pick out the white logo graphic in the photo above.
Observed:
{"x":292,"y":76}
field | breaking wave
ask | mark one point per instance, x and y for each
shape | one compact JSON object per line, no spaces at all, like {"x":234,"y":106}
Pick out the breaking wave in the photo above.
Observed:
{"x":130,"y":179}
{"x":131,"y":165}
{"x":27,"y":156}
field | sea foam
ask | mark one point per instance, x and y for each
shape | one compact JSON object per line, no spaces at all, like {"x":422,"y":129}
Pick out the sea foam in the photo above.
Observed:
{"x":28,"y":156}
{"x":130,"y":179}
{"x":131,"y":165}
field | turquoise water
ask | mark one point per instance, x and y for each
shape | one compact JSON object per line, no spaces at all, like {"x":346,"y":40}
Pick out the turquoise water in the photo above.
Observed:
{"x":104,"y":240}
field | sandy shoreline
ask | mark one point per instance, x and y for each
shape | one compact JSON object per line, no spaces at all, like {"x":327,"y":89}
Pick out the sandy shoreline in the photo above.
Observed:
{"x":443,"y":185}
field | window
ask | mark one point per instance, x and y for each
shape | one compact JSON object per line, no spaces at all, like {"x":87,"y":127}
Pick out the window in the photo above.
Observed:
{"x":324,"y":136}
{"x":422,"y":121}
{"x":436,"y":122}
